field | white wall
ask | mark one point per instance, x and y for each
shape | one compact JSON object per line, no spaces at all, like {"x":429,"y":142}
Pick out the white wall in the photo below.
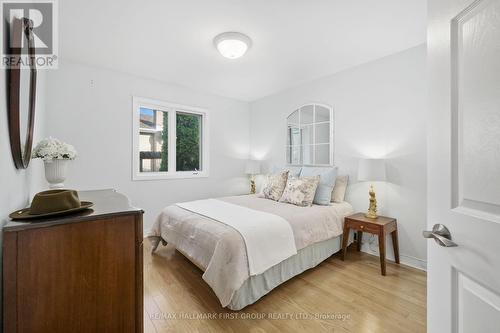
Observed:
{"x":18,"y":186}
{"x":379,"y":113}
{"x":91,"y":108}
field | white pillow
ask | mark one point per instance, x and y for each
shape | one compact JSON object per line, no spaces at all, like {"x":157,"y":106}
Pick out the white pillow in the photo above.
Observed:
{"x":338,"y":193}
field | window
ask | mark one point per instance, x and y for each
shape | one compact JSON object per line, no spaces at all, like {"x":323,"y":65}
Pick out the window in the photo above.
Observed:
{"x":170,"y":140}
{"x":310,"y":136}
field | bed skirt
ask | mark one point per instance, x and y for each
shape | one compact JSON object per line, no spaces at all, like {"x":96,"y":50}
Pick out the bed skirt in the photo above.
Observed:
{"x":257,"y":286}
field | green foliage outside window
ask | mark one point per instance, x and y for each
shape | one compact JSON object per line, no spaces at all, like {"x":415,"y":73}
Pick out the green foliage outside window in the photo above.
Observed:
{"x":188,"y":142}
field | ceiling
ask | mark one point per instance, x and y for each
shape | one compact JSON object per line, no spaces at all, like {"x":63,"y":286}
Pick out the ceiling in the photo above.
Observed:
{"x":293,"y":41}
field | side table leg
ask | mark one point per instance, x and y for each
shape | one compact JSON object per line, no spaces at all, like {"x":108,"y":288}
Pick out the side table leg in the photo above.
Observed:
{"x":395,"y":245}
{"x":345,"y":238}
{"x":359,"y":238}
{"x":381,"y":247}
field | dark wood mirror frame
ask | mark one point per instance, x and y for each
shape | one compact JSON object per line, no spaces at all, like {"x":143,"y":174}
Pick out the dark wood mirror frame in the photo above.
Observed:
{"x":21,"y":28}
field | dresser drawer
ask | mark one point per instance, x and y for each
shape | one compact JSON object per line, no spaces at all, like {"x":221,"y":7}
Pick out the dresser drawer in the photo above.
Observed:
{"x":356,"y":225}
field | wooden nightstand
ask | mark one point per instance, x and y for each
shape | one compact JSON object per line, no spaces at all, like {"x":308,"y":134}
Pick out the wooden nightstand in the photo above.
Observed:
{"x":380,"y":226}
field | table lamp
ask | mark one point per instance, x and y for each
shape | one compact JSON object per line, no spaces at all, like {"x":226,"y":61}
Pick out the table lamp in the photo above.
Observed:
{"x":371,"y":170}
{"x":252,"y":169}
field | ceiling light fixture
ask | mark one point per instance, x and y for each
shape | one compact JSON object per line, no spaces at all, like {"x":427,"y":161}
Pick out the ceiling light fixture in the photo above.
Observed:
{"x":232,"y":45}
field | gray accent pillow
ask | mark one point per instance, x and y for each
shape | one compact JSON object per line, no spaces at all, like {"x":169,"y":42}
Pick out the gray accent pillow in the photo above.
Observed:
{"x":300,"y":190}
{"x":275,"y":185}
{"x":338,"y":193}
{"x":328,"y":175}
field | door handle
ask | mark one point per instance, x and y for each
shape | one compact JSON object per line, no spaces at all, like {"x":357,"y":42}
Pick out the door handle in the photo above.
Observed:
{"x":441,"y":235}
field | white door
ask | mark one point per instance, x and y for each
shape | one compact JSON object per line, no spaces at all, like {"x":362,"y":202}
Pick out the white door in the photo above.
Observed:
{"x":464,"y":165}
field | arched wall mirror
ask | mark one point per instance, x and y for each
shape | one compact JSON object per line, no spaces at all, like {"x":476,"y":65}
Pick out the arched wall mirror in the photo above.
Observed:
{"x":21,"y":76}
{"x":310,"y":131}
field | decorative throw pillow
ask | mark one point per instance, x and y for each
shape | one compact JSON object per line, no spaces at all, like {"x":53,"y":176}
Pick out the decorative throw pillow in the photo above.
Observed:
{"x":327,"y":175}
{"x":293,"y":170}
{"x":338,"y":193}
{"x":300,"y":190}
{"x":275,"y":185}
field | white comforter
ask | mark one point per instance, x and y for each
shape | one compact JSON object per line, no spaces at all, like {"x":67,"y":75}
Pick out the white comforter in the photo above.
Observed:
{"x":220,"y":250}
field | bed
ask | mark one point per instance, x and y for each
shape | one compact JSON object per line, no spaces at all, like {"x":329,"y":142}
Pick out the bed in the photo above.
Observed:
{"x":219,"y":249}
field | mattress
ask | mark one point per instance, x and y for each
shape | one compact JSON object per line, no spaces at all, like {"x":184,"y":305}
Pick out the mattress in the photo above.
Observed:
{"x":219,"y":250}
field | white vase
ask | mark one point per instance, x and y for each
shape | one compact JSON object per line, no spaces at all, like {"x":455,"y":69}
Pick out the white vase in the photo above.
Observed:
{"x":55,"y":172}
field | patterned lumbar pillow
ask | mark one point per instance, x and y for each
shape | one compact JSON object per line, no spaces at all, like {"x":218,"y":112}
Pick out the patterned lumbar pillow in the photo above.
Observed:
{"x":275,"y":185}
{"x":300,"y":191}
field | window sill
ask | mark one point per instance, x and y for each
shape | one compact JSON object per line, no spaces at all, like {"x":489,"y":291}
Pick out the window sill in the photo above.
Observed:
{"x":163,"y":175}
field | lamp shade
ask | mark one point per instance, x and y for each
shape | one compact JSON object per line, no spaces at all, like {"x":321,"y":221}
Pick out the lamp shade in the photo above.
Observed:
{"x":252,"y":167}
{"x":371,"y":170}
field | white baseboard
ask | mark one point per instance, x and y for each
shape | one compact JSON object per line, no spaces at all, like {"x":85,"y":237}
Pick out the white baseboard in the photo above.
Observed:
{"x":413,"y":262}
{"x":403,"y":258}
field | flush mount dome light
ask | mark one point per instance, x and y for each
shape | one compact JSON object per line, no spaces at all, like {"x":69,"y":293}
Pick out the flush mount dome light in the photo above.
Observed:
{"x":232,"y":45}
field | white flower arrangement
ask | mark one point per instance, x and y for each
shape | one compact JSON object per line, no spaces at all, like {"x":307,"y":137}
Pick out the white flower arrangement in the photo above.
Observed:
{"x":54,"y":149}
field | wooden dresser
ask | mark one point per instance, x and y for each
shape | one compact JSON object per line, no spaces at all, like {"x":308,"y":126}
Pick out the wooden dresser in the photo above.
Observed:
{"x":76,"y":273}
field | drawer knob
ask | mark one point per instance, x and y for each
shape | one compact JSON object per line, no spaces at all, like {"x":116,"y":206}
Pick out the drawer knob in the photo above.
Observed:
{"x":362,"y":226}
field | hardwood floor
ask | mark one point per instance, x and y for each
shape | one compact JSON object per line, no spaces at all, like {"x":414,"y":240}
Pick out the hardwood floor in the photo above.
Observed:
{"x":336,"y":296}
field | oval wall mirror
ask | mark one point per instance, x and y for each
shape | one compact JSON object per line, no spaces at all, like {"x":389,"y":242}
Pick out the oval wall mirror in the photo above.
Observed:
{"x":22,"y":77}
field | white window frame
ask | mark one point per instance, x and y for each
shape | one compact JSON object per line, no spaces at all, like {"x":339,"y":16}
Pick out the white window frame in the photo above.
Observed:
{"x":332,"y":134}
{"x":172,"y":109}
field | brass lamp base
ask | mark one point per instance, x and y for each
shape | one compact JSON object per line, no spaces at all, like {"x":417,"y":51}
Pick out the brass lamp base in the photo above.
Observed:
{"x":252,"y":186}
{"x":372,"y":209}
